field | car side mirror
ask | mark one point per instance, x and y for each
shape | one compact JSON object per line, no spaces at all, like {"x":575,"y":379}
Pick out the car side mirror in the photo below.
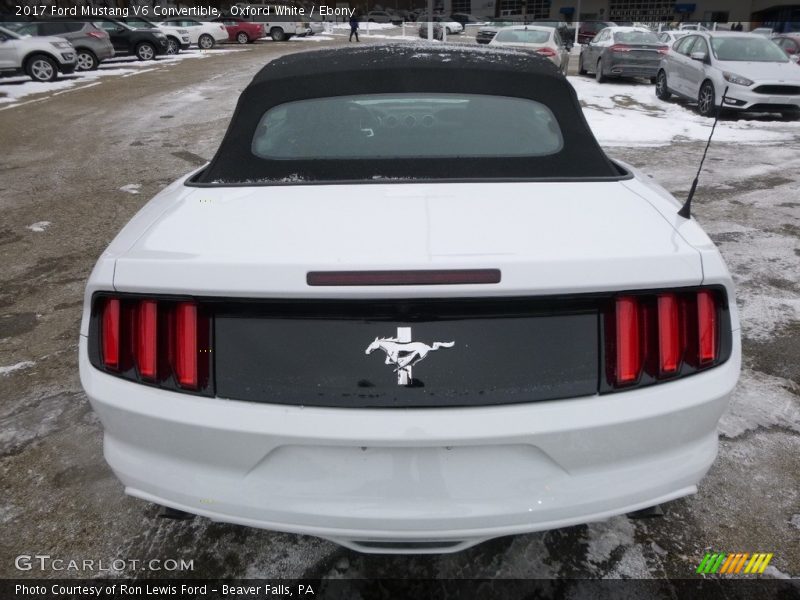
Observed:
{"x":120,"y":29}
{"x":701,"y":56}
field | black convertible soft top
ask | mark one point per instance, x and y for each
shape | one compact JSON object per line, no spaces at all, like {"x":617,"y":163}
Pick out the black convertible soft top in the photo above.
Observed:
{"x":407,"y":68}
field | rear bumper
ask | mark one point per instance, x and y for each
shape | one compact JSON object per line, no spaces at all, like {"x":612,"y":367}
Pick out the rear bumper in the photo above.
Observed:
{"x":417,"y":480}
{"x":619,"y":68}
{"x":103,"y":51}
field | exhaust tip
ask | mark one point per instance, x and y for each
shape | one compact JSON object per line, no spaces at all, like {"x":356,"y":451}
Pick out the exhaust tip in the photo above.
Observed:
{"x":174,"y":514}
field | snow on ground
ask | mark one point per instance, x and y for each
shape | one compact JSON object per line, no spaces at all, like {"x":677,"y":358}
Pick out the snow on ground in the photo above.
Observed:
{"x":131,"y":188}
{"x":313,"y":38}
{"x":25,"y":364}
{"x":653,"y":122}
{"x":14,"y":89}
{"x":363,"y":26}
{"x":39,"y":226}
{"x":761,"y":400}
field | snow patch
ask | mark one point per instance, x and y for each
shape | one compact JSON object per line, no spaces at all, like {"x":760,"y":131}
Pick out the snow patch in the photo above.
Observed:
{"x":606,"y":537}
{"x":771,"y":571}
{"x":653,"y":122}
{"x":25,"y":364}
{"x":39,"y":226}
{"x":760,"y":400}
{"x":131,"y":188}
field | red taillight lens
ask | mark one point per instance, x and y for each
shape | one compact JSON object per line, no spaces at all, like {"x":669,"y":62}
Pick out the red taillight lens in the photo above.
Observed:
{"x":707,"y":327}
{"x":548,"y":52}
{"x":620,"y":48}
{"x":97,"y":34}
{"x":147,"y":339}
{"x":629,"y":351}
{"x":109,"y":333}
{"x":186,"y":347}
{"x":663,"y":50}
{"x":663,"y":335}
{"x":669,"y":335}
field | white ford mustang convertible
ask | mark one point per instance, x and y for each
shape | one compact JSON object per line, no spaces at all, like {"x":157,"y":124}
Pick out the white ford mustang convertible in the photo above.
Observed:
{"x":410,"y":305}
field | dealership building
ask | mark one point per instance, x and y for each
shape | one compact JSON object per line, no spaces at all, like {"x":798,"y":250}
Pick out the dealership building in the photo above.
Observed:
{"x":723,"y":11}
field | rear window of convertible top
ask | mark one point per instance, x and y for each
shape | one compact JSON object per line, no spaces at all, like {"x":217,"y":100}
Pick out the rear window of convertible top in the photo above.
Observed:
{"x":407,"y":125}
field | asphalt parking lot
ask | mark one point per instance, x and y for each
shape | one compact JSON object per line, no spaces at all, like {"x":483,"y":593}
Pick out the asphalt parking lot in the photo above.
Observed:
{"x":77,"y":165}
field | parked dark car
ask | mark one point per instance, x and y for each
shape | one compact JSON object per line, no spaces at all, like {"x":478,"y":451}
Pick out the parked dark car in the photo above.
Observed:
{"x":144,"y":44}
{"x":177,"y":38}
{"x":622,"y":52}
{"x":564,"y":30}
{"x":588,"y":29}
{"x":241,"y":30}
{"x":467,"y":19}
{"x":487,"y":32}
{"x":92,"y":44}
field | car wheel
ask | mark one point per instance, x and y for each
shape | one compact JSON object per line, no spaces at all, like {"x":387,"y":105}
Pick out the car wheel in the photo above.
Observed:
{"x":581,"y":68}
{"x":706,"y":100}
{"x":598,"y":74}
{"x":86,"y":60}
{"x":173,"y":46}
{"x":662,"y":91}
{"x":146,"y":51}
{"x":41,"y":68}
{"x":242,"y":37}
{"x":206,"y":42}
{"x":449,"y":32}
{"x":277,"y":34}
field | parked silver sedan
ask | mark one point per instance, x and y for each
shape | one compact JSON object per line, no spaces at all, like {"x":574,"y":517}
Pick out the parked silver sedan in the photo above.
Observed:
{"x":545,"y":41}
{"x":758,"y":75}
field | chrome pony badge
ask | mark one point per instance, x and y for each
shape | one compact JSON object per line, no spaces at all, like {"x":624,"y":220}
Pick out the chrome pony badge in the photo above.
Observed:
{"x":403,"y":353}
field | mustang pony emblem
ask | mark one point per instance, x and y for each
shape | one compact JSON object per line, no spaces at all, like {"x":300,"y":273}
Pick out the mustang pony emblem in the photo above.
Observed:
{"x":403,"y":353}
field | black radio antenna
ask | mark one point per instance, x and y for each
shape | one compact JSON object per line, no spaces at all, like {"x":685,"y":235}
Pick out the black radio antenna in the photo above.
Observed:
{"x":686,"y":209}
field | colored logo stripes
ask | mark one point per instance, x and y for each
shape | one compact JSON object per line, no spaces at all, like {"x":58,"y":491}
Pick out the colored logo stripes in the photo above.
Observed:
{"x":734,"y":564}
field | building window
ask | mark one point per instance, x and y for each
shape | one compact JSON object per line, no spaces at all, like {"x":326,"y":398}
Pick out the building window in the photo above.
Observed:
{"x":641,"y":10}
{"x":536,"y":9}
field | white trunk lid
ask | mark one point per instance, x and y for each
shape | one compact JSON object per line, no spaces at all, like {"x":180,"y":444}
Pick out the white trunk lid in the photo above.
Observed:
{"x":545,"y":237}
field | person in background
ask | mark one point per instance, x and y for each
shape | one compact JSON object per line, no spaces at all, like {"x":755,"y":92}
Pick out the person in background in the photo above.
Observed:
{"x":354,"y":26}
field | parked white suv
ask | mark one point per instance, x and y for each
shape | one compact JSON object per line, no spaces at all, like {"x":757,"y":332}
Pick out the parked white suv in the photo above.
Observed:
{"x":42,"y":58}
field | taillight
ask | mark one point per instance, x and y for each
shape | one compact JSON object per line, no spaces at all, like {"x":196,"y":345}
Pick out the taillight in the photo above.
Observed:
{"x":147,"y":339}
{"x":620,"y":48}
{"x":663,"y":50}
{"x":161,"y":342}
{"x":669,"y":334}
{"x":629,"y":349}
{"x":707,"y":327}
{"x":657,"y":336}
{"x":109,"y":333}
{"x":186,"y":344}
{"x":97,"y":34}
{"x":548,"y":52}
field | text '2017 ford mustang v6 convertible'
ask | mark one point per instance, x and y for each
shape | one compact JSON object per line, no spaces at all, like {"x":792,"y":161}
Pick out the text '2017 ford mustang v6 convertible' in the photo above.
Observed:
{"x":410,"y":305}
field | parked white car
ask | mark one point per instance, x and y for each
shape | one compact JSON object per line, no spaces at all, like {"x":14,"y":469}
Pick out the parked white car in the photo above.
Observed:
{"x":758,"y":75}
{"x":42,"y":58}
{"x":449,"y":26}
{"x":545,"y":41}
{"x":381,"y":16}
{"x":670,"y":37}
{"x":410,"y":316}
{"x":202,"y":33}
